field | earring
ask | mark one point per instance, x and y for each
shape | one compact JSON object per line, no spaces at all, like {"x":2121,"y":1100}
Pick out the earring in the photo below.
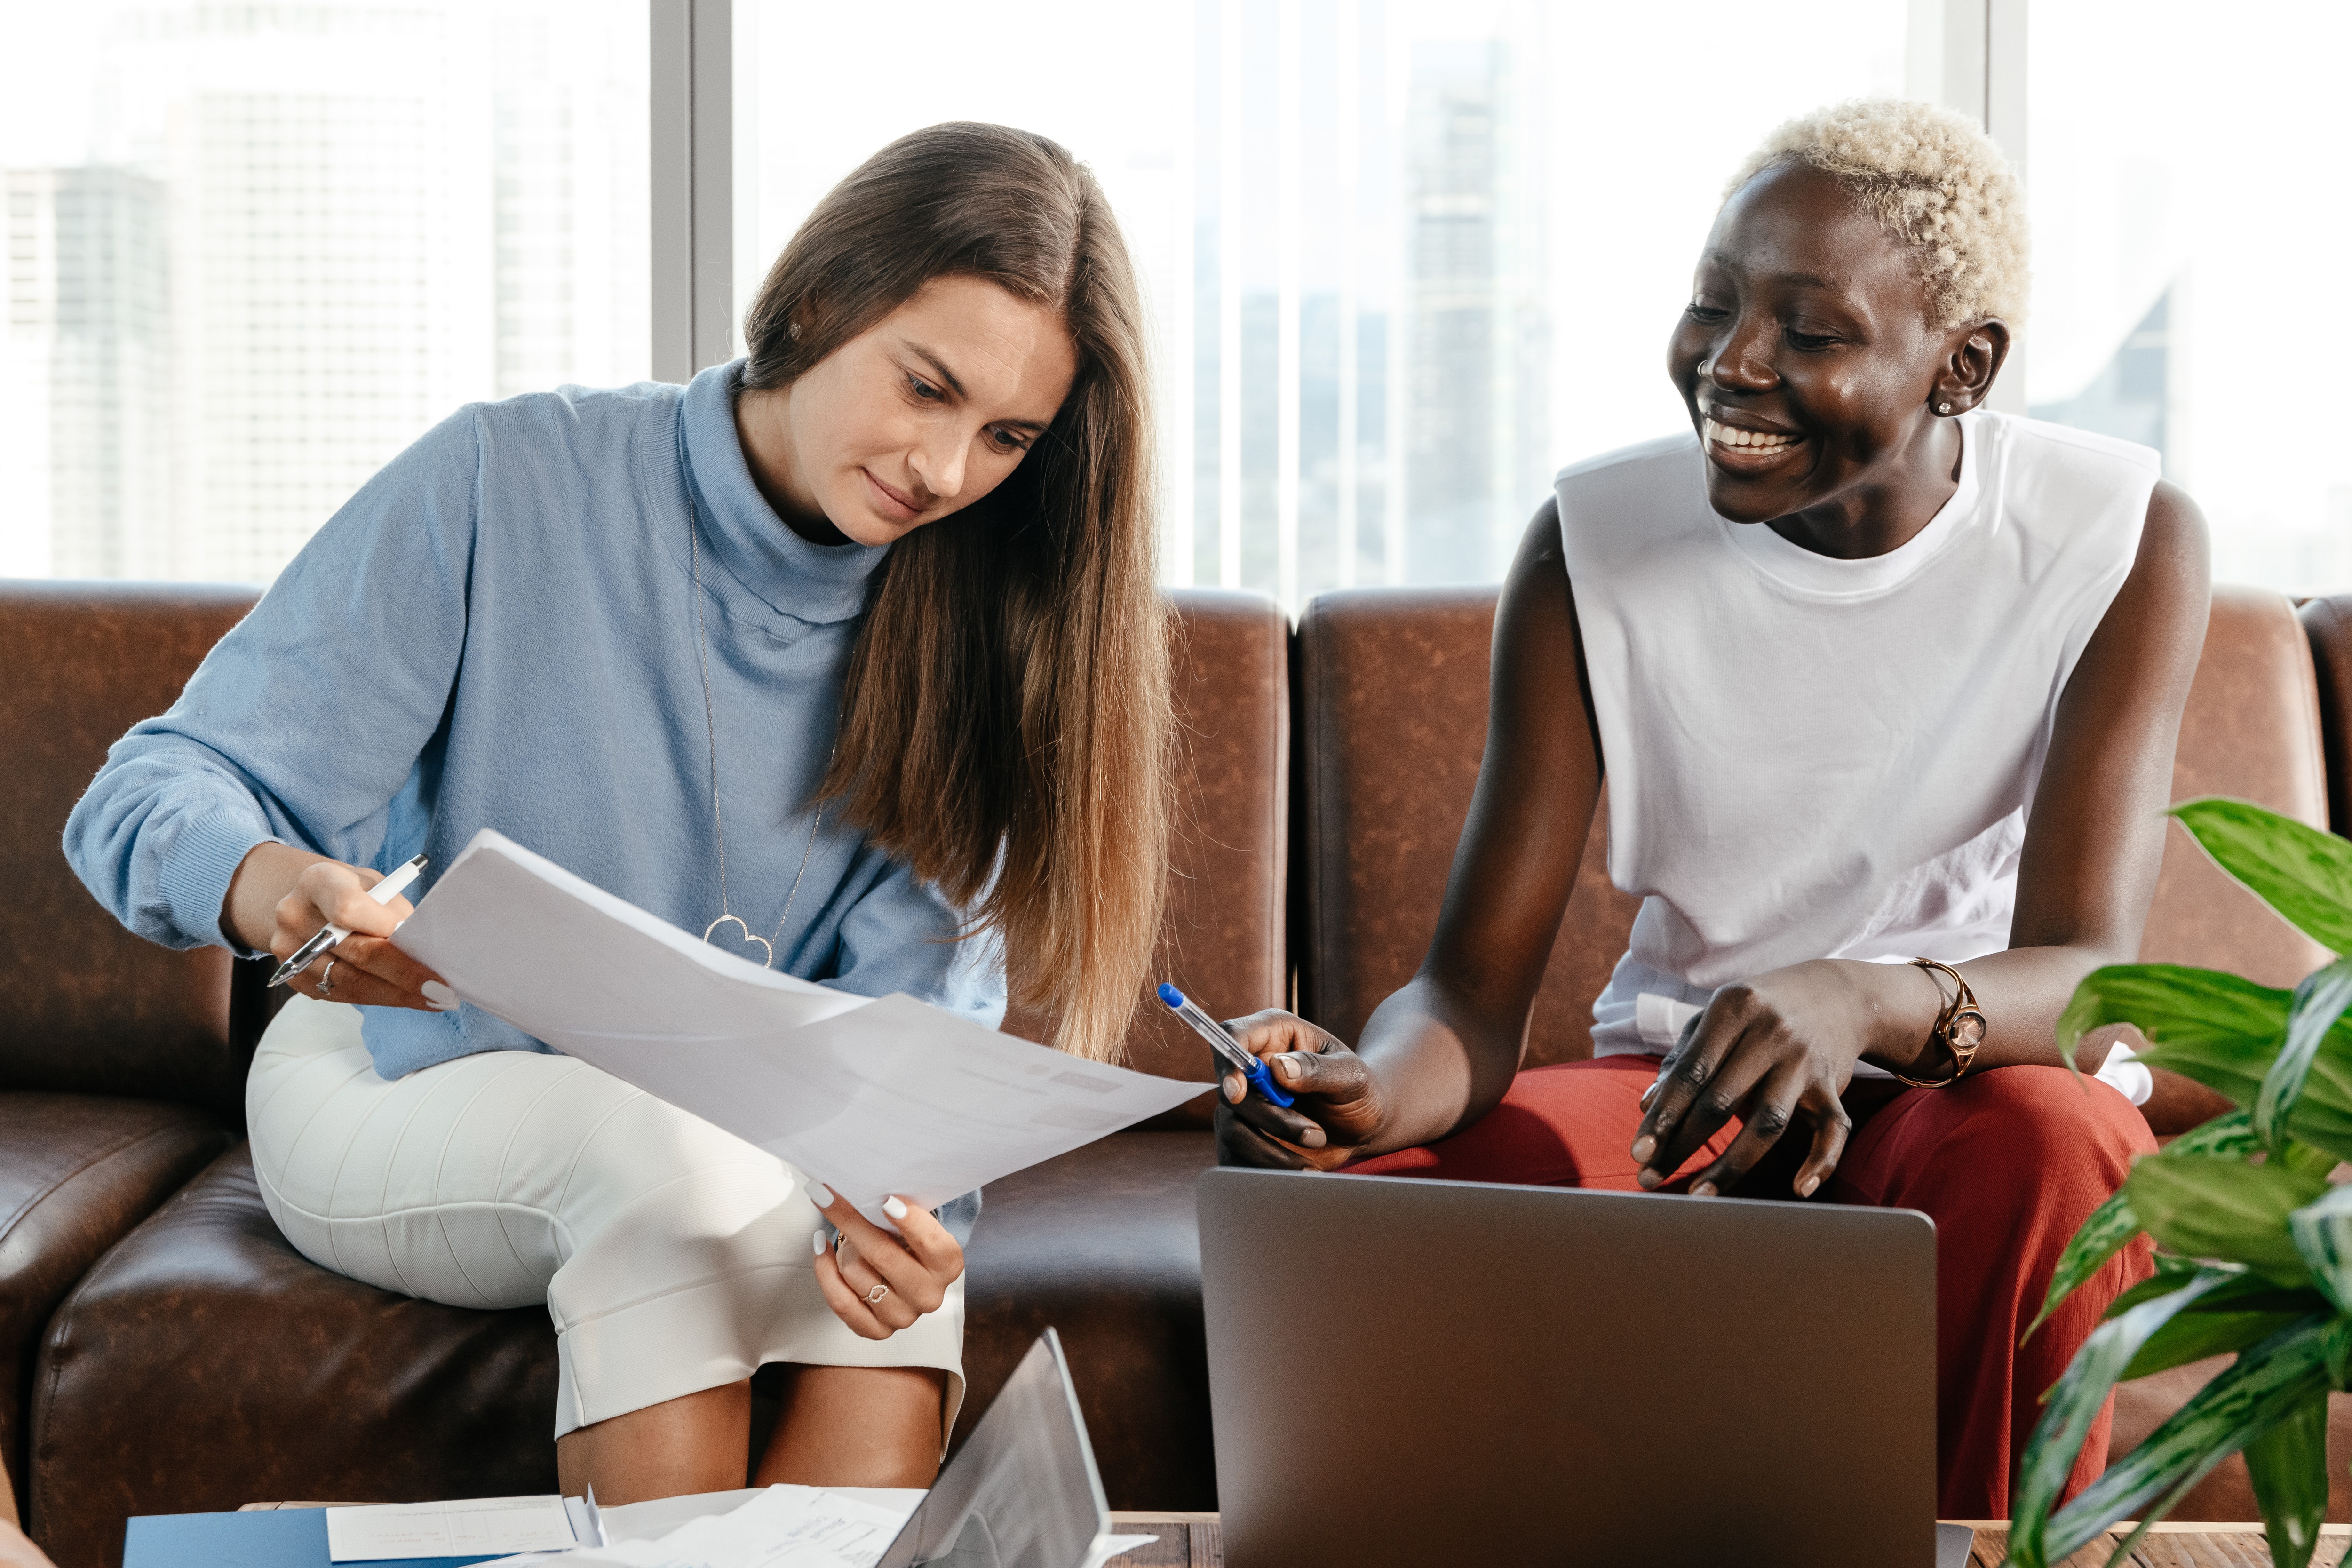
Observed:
{"x":1943,"y":408}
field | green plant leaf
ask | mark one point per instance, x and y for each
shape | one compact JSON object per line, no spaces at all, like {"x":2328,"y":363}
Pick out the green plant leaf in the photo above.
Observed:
{"x":2318,"y":1003}
{"x":2321,"y":1116}
{"x":2289,"y":1464}
{"x":2267,"y":1383}
{"x":2112,"y":1224}
{"x":2321,"y":1233}
{"x":2310,"y":1161}
{"x":2302,"y":872}
{"x":2171,"y":1274}
{"x":2193,"y":1336}
{"x":2069,"y":1407}
{"x":2242,"y":1290}
{"x":2173,"y":1002}
{"x":2205,"y":1208}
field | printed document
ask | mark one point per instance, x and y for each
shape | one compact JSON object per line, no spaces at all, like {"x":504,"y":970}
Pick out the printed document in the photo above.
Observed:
{"x":870,"y":1097}
{"x":467,"y":1528}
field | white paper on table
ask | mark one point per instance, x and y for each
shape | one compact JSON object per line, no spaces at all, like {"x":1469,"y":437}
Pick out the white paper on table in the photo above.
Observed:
{"x":783,"y":1527}
{"x":871,"y":1098}
{"x":467,"y":1528}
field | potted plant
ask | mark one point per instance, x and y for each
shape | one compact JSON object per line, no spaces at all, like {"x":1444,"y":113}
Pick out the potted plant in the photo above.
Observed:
{"x":2254,"y":1244}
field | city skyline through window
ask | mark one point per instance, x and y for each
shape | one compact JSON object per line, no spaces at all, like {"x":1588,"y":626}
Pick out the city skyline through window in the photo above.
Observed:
{"x":1406,"y":258}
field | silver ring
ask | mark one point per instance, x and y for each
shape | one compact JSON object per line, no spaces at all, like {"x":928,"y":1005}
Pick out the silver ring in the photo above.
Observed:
{"x":327,"y":981}
{"x":873,"y":1297}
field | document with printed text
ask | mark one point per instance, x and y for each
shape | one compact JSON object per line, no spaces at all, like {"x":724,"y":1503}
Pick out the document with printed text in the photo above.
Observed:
{"x":870,"y":1097}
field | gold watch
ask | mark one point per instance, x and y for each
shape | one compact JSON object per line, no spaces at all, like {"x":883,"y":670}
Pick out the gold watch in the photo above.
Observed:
{"x":1959,"y":1028}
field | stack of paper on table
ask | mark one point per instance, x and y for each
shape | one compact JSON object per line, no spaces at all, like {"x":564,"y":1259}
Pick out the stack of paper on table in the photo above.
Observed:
{"x":870,"y":1097}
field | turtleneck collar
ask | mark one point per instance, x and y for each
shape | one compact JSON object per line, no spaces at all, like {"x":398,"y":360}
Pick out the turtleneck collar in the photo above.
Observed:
{"x":813,"y":583}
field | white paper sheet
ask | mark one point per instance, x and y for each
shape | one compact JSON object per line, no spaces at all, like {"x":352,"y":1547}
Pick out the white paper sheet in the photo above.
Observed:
{"x":871,"y":1098}
{"x":784,"y":1527}
{"x":467,"y":1528}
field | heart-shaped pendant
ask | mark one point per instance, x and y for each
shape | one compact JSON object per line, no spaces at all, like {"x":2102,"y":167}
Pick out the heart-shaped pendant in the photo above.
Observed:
{"x":767,"y":949}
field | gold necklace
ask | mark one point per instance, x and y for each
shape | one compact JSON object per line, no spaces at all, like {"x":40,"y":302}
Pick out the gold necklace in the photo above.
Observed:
{"x":702,"y":659}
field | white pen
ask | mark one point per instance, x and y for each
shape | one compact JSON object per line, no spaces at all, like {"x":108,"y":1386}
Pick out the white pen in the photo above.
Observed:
{"x":384,"y":892}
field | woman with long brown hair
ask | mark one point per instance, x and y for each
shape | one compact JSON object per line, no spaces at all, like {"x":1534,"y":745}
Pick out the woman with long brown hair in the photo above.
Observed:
{"x":847,"y":654}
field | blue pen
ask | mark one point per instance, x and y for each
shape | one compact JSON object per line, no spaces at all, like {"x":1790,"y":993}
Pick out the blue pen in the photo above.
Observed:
{"x":1224,"y":1044}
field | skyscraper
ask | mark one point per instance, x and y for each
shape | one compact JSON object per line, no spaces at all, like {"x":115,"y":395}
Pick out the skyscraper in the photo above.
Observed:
{"x":88,"y":352}
{"x":1477,"y":338}
{"x":302,"y":235}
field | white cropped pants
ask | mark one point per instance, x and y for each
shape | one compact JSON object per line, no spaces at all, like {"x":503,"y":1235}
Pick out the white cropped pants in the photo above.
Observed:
{"x":672,"y":1257}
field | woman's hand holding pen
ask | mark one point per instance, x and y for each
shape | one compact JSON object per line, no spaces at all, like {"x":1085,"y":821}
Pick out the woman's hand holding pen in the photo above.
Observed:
{"x":875,"y":1282}
{"x":1338,"y":1101}
{"x":281,"y":898}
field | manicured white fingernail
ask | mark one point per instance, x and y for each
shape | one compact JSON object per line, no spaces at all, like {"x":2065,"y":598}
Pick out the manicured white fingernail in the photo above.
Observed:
{"x":1805,"y":1188}
{"x":894,"y":1207}
{"x":440,"y":995}
{"x":1648,"y":1095}
{"x":1704,"y":1190}
{"x":1642,"y":1149}
{"x":817,"y":1236}
{"x":820,"y":1194}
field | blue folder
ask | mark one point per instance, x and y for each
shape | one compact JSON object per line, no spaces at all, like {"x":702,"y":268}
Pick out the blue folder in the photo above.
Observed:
{"x":265,"y":1538}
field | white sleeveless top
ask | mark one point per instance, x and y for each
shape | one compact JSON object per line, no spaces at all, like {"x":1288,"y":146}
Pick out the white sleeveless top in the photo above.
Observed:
{"x":1815,"y":758}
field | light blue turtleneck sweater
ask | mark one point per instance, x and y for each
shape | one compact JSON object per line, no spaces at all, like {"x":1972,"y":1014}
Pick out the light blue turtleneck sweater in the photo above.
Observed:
{"x":497,"y":631}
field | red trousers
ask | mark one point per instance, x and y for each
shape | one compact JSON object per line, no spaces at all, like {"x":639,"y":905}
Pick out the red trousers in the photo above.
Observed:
{"x":2008,"y":1163}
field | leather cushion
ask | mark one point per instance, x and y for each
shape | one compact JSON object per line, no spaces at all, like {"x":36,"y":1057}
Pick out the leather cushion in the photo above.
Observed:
{"x":1392,"y":722}
{"x":2251,"y":729}
{"x":76,"y":1174}
{"x":1225,"y":933}
{"x":205,"y":1364}
{"x":85,"y":662}
{"x":1102,"y":1246}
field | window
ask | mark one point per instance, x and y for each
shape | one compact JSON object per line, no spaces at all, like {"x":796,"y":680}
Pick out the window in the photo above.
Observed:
{"x":255,"y":250}
{"x":2185,"y":211}
{"x":1407,"y":259}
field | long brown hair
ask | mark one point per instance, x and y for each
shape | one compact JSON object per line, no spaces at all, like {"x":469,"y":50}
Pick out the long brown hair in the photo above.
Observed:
{"x":1005,"y":722}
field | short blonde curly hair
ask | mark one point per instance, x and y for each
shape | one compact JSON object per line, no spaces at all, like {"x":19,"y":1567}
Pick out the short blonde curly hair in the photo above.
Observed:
{"x":1935,"y":182}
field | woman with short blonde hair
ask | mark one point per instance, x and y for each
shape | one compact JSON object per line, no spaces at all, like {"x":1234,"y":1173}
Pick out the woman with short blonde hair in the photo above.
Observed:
{"x":1886,"y":687}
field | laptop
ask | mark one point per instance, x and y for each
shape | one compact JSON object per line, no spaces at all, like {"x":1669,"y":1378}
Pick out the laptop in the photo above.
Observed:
{"x":1406,"y":1371}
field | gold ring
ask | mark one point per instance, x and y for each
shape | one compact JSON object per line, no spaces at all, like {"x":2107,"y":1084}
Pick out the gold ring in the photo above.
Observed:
{"x":873,"y":1297}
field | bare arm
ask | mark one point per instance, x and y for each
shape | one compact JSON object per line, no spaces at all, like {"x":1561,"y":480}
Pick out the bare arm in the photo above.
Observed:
{"x":1438,"y":1054}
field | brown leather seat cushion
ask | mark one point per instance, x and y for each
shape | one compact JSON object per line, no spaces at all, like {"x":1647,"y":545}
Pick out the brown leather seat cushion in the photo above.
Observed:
{"x":85,"y":661}
{"x":205,"y":1364}
{"x":76,"y":1172}
{"x":1226,"y":937}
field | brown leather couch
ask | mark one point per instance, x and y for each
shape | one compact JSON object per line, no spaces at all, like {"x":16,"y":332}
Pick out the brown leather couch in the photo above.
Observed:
{"x":171,"y":1351}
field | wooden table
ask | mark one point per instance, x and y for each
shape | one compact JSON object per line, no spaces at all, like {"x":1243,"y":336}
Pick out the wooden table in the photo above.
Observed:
{"x":1191,"y":1541}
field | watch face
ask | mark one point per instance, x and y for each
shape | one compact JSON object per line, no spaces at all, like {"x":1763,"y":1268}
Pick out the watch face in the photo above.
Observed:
{"x":1967,"y":1030}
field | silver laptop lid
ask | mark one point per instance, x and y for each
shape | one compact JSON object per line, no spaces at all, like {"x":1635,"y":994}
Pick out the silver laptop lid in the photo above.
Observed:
{"x":1416,"y":1371}
{"x":1023,"y":1491}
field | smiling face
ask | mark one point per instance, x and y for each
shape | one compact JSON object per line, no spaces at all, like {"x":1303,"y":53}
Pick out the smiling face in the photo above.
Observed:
{"x":1811,"y":369}
{"x":915,"y":418}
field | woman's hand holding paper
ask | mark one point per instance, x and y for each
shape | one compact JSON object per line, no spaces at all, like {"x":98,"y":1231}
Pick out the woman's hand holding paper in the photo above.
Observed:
{"x":878,"y":1283}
